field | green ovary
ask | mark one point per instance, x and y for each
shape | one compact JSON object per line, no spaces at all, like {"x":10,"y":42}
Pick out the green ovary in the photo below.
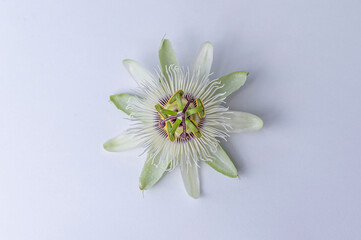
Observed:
{"x":180,"y":116}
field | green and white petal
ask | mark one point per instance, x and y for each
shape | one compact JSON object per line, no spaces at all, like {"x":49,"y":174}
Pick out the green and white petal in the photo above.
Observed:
{"x":153,"y":170}
{"x":222,"y":163}
{"x":191,"y":180}
{"x":203,"y":59}
{"x":231,"y":82}
{"x":121,"y":143}
{"x":121,"y":101}
{"x":141,"y":75}
{"x":167,"y":56}
{"x":243,"y":122}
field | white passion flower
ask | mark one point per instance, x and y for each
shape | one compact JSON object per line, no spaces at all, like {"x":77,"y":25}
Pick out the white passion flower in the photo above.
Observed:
{"x":179,"y":117}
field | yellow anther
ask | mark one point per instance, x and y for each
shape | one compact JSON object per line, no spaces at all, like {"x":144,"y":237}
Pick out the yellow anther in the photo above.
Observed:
{"x":199,"y":103}
{"x":158,"y":109}
{"x":174,"y":96}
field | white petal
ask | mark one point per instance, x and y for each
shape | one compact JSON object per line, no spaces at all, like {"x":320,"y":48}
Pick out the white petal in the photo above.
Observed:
{"x":222,"y":163}
{"x":121,"y":143}
{"x":241,"y":122}
{"x":191,"y":180}
{"x":153,"y":170}
{"x":139,"y":73}
{"x":203,"y":60}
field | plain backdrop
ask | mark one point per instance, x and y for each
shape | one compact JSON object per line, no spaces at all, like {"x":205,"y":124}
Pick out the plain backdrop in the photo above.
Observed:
{"x":299,"y":175}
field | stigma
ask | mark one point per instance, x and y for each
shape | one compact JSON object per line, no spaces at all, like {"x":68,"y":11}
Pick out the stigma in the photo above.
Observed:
{"x":181,"y":116}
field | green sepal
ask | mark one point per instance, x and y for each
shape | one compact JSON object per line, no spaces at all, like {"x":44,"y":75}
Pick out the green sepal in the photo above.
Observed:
{"x":231,"y":82}
{"x":222,"y":163}
{"x":121,"y":101}
{"x":152,"y":171}
{"x":167,"y":56}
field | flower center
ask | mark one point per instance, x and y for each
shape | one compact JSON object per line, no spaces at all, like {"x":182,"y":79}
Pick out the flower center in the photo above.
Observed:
{"x":180,"y":116}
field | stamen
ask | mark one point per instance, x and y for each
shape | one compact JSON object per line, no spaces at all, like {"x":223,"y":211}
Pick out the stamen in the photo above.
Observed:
{"x":199,"y":103}
{"x":179,"y":102}
{"x":159,"y":109}
{"x":194,"y":128}
{"x":194,"y":110}
{"x":182,"y":117}
{"x":169,"y":112}
{"x":155,"y":138}
{"x":174,"y":97}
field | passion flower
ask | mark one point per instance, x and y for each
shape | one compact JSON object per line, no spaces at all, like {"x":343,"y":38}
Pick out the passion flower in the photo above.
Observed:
{"x":179,"y":117}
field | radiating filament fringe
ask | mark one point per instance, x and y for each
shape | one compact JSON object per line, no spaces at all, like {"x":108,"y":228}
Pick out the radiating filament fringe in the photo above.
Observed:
{"x":143,"y":116}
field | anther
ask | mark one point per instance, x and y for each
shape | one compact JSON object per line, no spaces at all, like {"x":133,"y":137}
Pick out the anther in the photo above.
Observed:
{"x":180,"y":118}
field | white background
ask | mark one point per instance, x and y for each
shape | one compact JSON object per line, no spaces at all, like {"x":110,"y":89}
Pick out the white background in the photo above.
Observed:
{"x":299,"y":175}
